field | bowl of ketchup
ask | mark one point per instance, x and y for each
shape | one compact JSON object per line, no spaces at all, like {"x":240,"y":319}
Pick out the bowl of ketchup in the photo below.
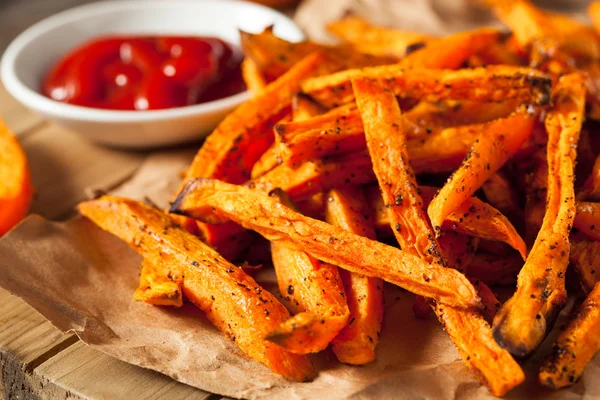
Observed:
{"x":138,"y":73}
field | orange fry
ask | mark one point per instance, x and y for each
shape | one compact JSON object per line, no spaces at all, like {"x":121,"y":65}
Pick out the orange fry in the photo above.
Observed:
{"x":523,"y":321}
{"x":496,"y":144}
{"x":587,"y":219}
{"x":317,"y":176}
{"x":451,"y":51}
{"x":355,"y":344}
{"x":254,"y":79}
{"x":232,"y":300}
{"x":386,"y":141}
{"x":213,"y":201}
{"x":583,"y":258}
{"x":375,"y":40}
{"x":575,"y":346}
{"x":315,"y":292}
{"x":491,"y":84}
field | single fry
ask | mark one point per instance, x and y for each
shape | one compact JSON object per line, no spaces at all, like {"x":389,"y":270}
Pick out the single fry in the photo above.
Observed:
{"x":594,"y":13}
{"x":587,"y":219}
{"x":346,"y":208}
{"x":497,"y":143}
{"x":386,"y":141}
{"x":375,"y":40}
{"x":232,"y":300}
{"x":304,"y":107}
{"x":315,"y":292}
{"x":317,"y":176}
{"x":268,"y":161}
{"x":213,"y":201}
{"x":478,"y":219}
{"x":16,"y":190}
{"x":157,"y":288}
{"x":575,"y":346}
{"x":474,"y":218}
{"x":274,"y":56}
{"x":523,"y":321}
{"x":254,"y":79}
{"x":583,"y":258}
{"x":491,"y":84}
{"x":452,"y":51}
{"x":493,"y":365}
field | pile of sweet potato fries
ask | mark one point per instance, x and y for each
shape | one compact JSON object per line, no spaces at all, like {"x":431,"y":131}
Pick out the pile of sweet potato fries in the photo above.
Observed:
{"x":440,"y":165}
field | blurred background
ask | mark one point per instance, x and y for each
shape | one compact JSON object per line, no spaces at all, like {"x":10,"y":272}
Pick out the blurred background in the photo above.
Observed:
{"x":440,"y":16}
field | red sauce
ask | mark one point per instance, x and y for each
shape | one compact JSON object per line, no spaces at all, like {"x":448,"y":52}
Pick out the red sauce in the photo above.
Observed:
{"x":146,"y":73}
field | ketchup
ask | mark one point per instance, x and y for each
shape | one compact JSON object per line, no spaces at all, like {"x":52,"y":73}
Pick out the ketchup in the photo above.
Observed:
{"x":146,"y":73}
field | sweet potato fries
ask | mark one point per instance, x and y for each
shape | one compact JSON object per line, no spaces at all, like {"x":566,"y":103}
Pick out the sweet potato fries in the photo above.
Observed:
{"x":394,"y":158}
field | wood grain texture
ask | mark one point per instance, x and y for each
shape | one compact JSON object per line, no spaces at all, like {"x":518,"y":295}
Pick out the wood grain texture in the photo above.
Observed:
{"x":77,"y":370}
{"x":26,"y":341}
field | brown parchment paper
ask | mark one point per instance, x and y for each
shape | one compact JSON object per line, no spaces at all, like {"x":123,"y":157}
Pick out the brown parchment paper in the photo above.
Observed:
{"x":83,"y":279}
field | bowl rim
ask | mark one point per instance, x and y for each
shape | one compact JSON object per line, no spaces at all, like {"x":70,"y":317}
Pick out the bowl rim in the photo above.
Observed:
{"x":43,"y":104}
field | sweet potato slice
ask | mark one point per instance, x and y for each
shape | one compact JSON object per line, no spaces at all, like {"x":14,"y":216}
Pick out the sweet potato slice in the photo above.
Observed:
{"x":158,"y":286}
{"x":356,"y":343}
{"x":594,"y":13}
{"x":496,"y":144}
{"x":523,"y":321}
{"x":491,"y":84}
{"x":213,"y":201}
{"x":583,"y":258}
{"x":266,"y":162}
{"x":315,"y":292}
{"x":376,"y":40}
{"x":587,"y":219}
{"x":304,"y":107}
{"x":474,"y":218}
{"x":575,"y":346}
{"x":452,"y":51}
{"x":274,"y":56}
{"x":478,"y":219}
{"x":490,"y":363}
{"x":232,"y":300}
{"x":317,"y":176}
{"x":254,"y":79}
{"x":16,"y":190}
{"x":386,"y":142}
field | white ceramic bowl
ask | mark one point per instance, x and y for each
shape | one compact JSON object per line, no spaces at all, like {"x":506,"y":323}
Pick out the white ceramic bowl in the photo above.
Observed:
{"x":30,"y":56}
